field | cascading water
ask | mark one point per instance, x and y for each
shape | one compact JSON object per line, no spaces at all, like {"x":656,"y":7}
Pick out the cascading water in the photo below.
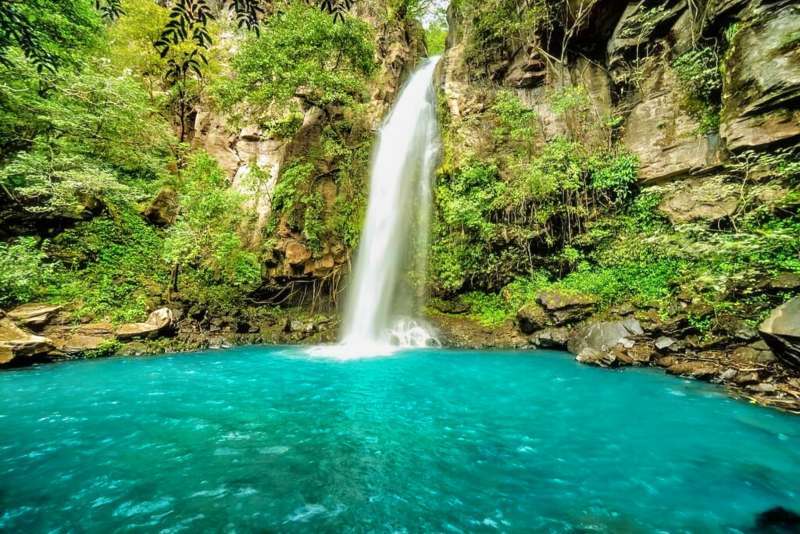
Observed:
{"x":389,"y":276}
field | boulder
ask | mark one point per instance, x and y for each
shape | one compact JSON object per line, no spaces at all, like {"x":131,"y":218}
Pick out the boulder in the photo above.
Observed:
{"x":15,"y":343}
{"x":157,"y":323}
{"x":566,"y":307}
{"x":699,"y":199}
{"x":638,"y":354}
{"x":551,"y":338}
{"x":34,"y":314}
{"x":297,"y":253}
{"x":604,"y":336}
{"x":531,"y":318}
{"x":692,"y":368}
{"x":78,"y":343}
{"x":664,"y":342}
{"x":163,"y":210}
{"x":785,"y":282}
{"x":781,"y":331}
{"x":560,"y":300}
{"x":590,"y":356}
{"x":96,"y":329}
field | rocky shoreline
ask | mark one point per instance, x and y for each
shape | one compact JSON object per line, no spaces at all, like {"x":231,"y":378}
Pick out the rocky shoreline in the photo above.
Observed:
{"x":758,"y":365}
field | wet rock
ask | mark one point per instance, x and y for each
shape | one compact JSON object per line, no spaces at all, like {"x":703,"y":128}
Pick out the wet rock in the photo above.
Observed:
{"x":745,"y":378}
{"x":639,"y":354}
{"x":763,"y":387}
{"x":531,"y":318}
{"x":603,"y":336}
{"x":778,"y":520}
{"x":692,"y":368}
{"x":750,"y":355}
{"x":590,"y":356}
{"x":727,"y":375}
{"x":17,"y":344}
{"x":551,"y":338}
{"x":159,"y":321}
{"x":163,"y":210}
{"x":34,"y":314}
{"x":781,"y":331}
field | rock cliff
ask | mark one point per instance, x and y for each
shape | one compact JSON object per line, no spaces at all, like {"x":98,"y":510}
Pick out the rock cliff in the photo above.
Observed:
{"x":704,"y":97}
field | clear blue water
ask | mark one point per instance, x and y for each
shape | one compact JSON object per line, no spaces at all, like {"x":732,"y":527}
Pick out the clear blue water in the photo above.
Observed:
{"x":267,"y":439}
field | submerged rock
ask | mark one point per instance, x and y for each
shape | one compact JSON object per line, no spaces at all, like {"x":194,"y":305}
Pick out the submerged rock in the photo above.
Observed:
{"x":779,"y":520}
{"x":781,"y":331}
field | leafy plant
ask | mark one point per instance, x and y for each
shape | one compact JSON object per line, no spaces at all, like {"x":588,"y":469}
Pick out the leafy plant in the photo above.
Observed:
{"x":23,"y":270}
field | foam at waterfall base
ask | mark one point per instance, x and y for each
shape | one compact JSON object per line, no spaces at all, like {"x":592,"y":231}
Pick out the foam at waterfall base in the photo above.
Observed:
{"x":405,"y":334}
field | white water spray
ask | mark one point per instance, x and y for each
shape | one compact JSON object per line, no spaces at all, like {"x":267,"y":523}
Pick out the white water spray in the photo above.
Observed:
{"x":388,"y":281}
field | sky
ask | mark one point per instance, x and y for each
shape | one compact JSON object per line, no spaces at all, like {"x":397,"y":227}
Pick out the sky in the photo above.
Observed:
{"x":431,"y":13}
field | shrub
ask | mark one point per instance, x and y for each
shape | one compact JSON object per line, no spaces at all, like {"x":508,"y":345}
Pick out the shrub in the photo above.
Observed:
{"x":23,"y":271}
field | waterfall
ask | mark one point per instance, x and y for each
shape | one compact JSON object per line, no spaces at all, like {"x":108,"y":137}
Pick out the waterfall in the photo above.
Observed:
{"x":388,"y":280}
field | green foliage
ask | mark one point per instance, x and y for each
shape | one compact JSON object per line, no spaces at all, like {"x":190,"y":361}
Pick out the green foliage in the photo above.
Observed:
{"x":570,"y":98}
{"x":66,"y":153}
{"x":109,"y":347}
{"x":435,"y":38}
{"x":515,"y":121}
{"x":643,"y":209}
{"x":699,"y":73}
{"x":500,"y":26}
{"x":48,"y":33}
{"x":490,"y":309}
{"x":204,"y":242}
{"x":23,"y":270}
{"x":467,"y":197}
{"x":108,"y":267}
{"x":615,"y":173}
{"x":286,"y":193}
{"x":299,"y":51}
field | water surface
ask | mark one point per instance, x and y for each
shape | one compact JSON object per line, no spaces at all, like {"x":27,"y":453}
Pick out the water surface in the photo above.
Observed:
{"x":268,"y":439}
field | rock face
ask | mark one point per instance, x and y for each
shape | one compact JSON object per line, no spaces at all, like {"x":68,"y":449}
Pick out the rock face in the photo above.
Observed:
{"x":661,"y":132}
{"x":762,"y":83}
{"x":17,"y":345}
{"x":781,"y":331}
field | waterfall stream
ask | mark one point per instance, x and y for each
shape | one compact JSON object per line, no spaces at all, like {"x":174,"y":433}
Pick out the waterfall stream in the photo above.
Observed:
{"x":388,"y":280}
